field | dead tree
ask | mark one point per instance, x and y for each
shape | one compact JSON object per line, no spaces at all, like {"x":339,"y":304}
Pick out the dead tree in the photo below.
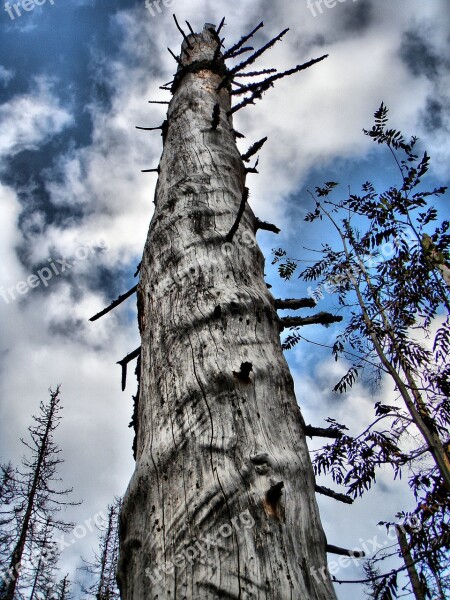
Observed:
{"x":222,"y":502}
{"x":31,"y":510}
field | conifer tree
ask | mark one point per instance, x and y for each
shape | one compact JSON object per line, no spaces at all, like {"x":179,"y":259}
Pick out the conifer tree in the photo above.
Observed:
{"x":31,"y":498}
{"x":104,"y":566}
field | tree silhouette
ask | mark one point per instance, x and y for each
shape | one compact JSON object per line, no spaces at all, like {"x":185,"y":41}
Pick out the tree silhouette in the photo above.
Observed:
{"x":31,"y":500}
{"x":389,"y":274}
{"x":104,"y":566}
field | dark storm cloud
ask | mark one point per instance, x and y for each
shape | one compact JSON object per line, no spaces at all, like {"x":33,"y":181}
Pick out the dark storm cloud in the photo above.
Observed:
{"x":357,"y":16}
{"x":433,"y":116}
{"x":419,"y":56}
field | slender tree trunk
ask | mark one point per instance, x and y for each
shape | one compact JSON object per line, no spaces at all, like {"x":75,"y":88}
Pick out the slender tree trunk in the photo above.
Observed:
{"x":17,"y":554}
{"x":103,"y":589}
{"x":222,"y":503}
{"x":437,"y":579}
{"x":416,"y":586}
{"x":40,"y":568}
{"x":64,"y":589}
{"x":409,"y":391}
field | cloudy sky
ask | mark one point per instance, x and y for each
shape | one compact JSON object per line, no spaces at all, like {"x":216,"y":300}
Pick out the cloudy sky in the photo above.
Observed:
{"x":75,"y":78}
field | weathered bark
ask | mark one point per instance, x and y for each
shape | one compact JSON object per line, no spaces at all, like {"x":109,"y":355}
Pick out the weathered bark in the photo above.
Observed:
{"x":222,"y":502}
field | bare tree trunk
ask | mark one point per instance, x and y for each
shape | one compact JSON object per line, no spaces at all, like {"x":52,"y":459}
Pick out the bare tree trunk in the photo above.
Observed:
{"x":42,"y":456}
{"x":416,"y":586}
{"x":222,"y":503}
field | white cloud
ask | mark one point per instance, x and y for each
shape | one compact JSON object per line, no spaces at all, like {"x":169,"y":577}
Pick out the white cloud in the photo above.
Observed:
{"x":311,"y":119}
{"x":29,"y":120}
{"x":6,"y":75}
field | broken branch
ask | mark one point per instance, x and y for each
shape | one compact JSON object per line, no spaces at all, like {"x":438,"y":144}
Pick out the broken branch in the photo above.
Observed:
{"x":190,"y":28}
{"x":322,"y":318}
{"x":344,"y":552}
{"x":215,"y":117}
{"x":124,"y":362}
{"x":254,"y":149}
{"x":253,"y":169}
{"x":185,"y":38}
{"x":256,"y":73}
{"x":266,"y":226}
{"x":258,"y":53}
{"x":241,"y":51}
{"x":331,"y":494}
{"x":175,"y":57}
{"x":270,"y":80}
{"x":115,"y":303}
{"x":245,"y":102}
{"x":242,"y":41}
{"x":295,"y":303}
{"x":326,"y":432}
{"x":237,"y":134}
{"x":221,"y":24}
{"x":230,"y":234}
{"x":149,"y":128}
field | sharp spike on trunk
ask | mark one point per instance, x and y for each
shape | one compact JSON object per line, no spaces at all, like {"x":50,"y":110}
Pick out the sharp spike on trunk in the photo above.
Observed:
{"x":113,"y":304}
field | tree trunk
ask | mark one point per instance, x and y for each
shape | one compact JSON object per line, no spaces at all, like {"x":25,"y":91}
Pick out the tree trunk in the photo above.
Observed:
{"x":42,"y":455}
{"x":416,"y":586}
{"x":222,"y":503}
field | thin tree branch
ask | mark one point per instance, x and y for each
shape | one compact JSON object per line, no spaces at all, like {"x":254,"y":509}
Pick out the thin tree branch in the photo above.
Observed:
{"x":175,"y":57}
{"x":242,"y":41}
{"x":270,"y":80}
{"x":256,"y":73}
{"x":241,"y":51}
{"x":115,"y":303}
{"x":190,"y":28}
{"x":221,"y":24}
{"x":320,"y":489}
{"x":344,"y":552}
{"x":189,"y":45}
{"x":251,"y":59}
{"x":399,"y":570}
